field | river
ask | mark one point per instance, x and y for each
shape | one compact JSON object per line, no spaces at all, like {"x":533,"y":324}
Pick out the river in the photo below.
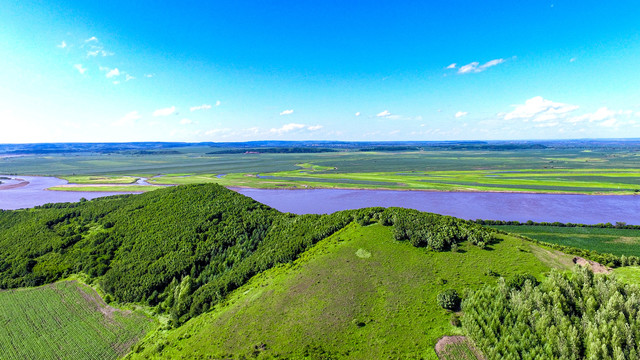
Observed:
{"x":585,"y":209}
{"x":28,"y":191}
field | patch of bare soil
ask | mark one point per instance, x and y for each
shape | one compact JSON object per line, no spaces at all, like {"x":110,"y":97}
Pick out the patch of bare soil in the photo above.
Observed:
{"x":445,"y":341}
{"x":597,"y":268}
{"x":100,"y":305}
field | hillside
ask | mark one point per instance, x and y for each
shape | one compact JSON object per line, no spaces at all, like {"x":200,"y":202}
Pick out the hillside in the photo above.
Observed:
{"x":358,"y":294}
{"x":183,"y":249}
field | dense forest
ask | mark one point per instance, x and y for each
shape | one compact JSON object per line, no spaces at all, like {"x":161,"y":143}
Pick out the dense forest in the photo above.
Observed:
{"x":183,"y":249}
{"x":575,"y":315}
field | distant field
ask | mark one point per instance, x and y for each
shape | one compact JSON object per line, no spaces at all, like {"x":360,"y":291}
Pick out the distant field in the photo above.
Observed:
{"x":612,"y":241}
{"x":195,"y":160}
{"x":562,"y":170}
{"x":358,"y":294}
{"x":65,"y":320}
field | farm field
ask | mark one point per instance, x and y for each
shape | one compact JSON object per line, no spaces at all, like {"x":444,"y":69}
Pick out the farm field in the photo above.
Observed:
{"x":595,"y":181}
{"x":65,"y":320}
{"x":604,"y":240}
{"x":357,"y":294}
{"x":195,"y":160}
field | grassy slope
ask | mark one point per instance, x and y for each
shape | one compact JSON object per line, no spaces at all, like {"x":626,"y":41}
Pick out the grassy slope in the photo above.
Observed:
{"x":358,"y":292}
{"x":628,"y":274}
{"x":612,"y":241}
{"x":65,"y":320}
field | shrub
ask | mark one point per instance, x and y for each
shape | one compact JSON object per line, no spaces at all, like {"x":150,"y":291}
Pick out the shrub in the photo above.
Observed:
{"x":449,"y":299}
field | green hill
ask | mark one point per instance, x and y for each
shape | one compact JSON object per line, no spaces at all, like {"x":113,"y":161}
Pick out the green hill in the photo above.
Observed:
{"x":358,"y":294}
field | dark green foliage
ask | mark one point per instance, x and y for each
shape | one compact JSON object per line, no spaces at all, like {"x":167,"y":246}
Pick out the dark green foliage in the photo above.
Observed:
{"x":184,"y":248}
{"x":434,"y":231}
{"x":519,"y":281}
{"x":449,"y":299}
{"x":567,"y":316}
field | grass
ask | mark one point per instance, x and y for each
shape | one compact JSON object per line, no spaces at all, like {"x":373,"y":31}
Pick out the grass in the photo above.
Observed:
{"x":357,"y":294}
{"x":65,"y":320}
{"x":595,"y":181}
{"x":604,"y":240}
{"x":100,"y":179}
{"x":106,"y":188}
{"x":628,"y":274}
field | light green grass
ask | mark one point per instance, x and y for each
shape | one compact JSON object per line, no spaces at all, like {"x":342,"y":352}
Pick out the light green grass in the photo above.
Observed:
{"x":628,"y":274}
{"x":604,"y":240}
{"x":100,"y":179}
{"x":107,"y":188}
{"x":357,"y":294}
{"x":65,"y":320}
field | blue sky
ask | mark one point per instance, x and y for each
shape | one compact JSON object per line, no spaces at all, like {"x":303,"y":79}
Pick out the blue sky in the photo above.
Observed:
{"x":334,"y":70}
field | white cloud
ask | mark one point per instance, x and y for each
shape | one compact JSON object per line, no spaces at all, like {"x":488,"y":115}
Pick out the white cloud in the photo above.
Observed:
{"x":80,"y":69}
{"x":218,"y":103}
{"x":547,"y":124}
{"x":358,"y":113}
{"x":460,"y":114}
{"x":148,"y":75}
{"x":287,"y":128}
{"x":62,"y":45}
{"x":97,"y":52}
{"x":217,"y":131}
{"x":538,"y":109}
{"x":295,"y":127}
{"x":287,"y":112}
{"x":129,"y":77}
{"x":186,"y":122}
{"x":468,"y":68}
{"x":605,"y":117}
{"x":165,"y":111}
{"x":113,"y":72}
{"x":475,"y":66}
{"x":572,"y":59}
{"x":93,"y":38}
{"x":128,"y":119}
{"x":384,"y":114}
{"x":452,"y":66}
{"x":201,"y":107}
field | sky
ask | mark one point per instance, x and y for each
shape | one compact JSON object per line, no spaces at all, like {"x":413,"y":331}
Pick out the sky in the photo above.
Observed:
{"x":116,"y":71}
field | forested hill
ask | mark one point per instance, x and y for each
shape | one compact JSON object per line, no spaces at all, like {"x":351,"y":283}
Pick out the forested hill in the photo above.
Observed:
{"x":184,"y":248}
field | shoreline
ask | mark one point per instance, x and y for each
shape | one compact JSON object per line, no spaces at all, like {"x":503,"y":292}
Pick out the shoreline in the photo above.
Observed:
{"x":231,"y":187}
{"x":22,"y":183}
